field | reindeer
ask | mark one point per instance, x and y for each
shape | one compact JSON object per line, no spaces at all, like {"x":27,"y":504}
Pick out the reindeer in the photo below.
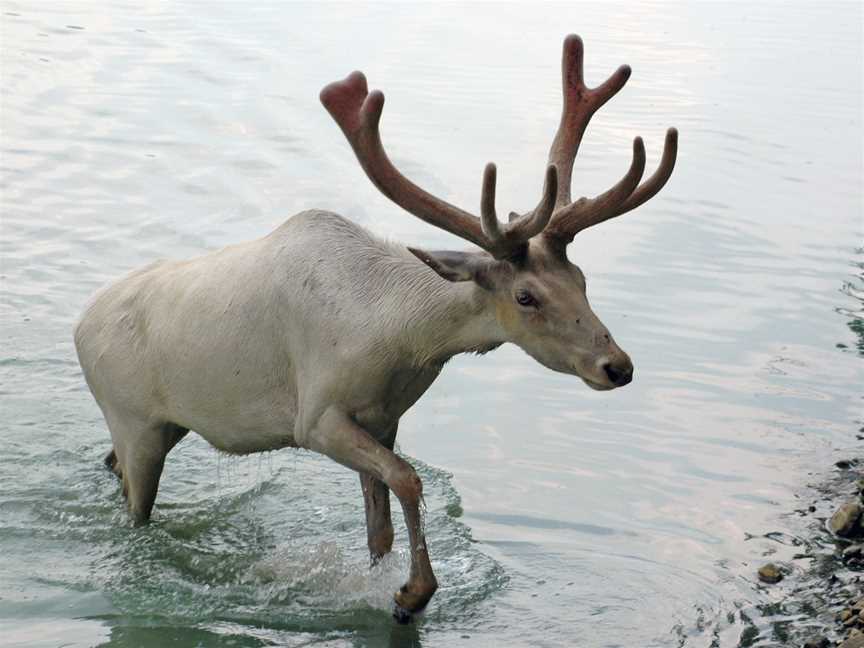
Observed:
{"x":320,"y":335}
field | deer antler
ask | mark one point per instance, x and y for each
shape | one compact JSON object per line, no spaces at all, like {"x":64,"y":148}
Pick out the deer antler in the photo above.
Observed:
{"x":358,"y":113}
{"x":580,"y":104}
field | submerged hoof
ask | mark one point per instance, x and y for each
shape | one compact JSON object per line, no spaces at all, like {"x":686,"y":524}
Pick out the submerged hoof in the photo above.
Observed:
{"x":409,"y":603}
{"x":402,"y":616}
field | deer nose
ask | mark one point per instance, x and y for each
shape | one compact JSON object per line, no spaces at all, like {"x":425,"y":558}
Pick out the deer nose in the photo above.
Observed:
{"x":619,"y":373}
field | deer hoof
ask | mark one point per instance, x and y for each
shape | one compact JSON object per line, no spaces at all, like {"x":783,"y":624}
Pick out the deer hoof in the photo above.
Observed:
{"x":402,"y":616}
{"x":409,"y":603}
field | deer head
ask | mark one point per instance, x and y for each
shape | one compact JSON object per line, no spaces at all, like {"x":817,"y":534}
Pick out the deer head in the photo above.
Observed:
{"x":538,"y":296}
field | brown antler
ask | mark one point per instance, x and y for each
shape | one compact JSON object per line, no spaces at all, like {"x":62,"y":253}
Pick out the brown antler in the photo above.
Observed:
{"x":580,"y":103}
{"x":358,"y":113}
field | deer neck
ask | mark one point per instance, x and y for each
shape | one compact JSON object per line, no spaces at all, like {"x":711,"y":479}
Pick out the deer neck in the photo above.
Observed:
{"x":454,"y":318}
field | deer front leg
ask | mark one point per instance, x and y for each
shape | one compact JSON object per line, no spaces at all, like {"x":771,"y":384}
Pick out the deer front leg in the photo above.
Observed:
{"x":341,"y":439}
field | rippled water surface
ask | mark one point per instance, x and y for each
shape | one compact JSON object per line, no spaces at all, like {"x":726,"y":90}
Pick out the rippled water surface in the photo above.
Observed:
{"x":556,"y":515}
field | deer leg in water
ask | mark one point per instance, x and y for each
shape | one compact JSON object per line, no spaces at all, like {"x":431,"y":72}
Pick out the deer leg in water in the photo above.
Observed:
{"x":376,"y":499}
{"x":341,"y":439}
{"x":379,"y":526}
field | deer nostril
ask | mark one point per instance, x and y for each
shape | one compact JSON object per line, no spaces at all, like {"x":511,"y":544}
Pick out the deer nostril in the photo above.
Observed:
{"x":618,"y":376}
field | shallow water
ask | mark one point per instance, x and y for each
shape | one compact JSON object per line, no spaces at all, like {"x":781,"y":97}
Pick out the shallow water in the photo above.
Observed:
{"x":556,"y":515}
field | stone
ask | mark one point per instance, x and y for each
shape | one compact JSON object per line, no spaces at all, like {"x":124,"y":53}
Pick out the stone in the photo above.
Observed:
{"x":818,"y":642}
{"x":853,"y":551}
{"x":770,"y":573}
{"x":854,"y":642}
{"x":845,"y":519}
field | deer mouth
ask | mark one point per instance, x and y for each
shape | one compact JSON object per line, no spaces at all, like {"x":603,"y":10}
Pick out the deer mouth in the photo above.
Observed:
{"x":597,"y":386}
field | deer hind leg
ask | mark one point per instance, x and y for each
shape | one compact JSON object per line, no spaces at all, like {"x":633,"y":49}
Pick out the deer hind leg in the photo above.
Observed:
{"x":376,"y":498}
{"x":138,"y":457}
{"x":379,"y":525}
{"x":341,"y":439}
{"x":112,"y":464}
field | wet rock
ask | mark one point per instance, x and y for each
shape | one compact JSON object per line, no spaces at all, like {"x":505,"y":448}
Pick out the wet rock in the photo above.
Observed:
{"x":844,"y":616}
{"x":856,"y":641}
{"x":818,"y":642}
{"x":846,"y":464}
{"x":770,"y":573}
{"x":853,"y":552}
{"x":844,"y":522}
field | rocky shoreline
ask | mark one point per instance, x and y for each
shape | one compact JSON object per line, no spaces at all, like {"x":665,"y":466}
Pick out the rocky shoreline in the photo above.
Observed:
{"x":847,"y":524}
{"x":838,"y":573}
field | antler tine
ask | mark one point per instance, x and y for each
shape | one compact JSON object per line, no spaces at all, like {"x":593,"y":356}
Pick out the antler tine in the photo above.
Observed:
{"x":575,"y":217}
{"x":652,"y":185}
{"x":488,"y":216}
{"x":580,"y":104}
{"x":512,"y":237}
{"x":358,"y":113}
{"x":534,"y":222}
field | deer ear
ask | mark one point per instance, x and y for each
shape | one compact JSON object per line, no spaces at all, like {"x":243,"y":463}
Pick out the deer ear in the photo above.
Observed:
{"x":458,"y":266}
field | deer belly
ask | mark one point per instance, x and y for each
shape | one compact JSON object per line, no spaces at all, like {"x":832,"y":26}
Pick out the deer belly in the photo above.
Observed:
{"x":242,"y":426}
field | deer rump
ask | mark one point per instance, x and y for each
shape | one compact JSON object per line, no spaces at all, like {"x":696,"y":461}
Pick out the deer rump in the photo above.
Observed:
{"x":321,"y":336}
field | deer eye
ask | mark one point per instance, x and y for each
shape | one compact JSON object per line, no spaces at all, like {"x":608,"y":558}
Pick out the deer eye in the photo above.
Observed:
{"x":524,"y":298}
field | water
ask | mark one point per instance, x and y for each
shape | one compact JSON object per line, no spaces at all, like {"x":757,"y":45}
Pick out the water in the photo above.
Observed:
{"x":556,"y":515}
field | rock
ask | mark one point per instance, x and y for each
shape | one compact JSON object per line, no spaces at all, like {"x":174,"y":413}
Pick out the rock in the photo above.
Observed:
{"x":846,"y":464}
{"x":859,"y":604}
{"x":844,"y":615}
{"x":854,"y":642}
{"x":853,"y":551}
{"x":845,"y":519}
{"x":770,"y":573}
{"x":818,"y":642}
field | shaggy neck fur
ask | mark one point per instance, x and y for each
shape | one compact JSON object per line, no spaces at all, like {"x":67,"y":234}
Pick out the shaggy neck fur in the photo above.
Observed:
{"x":443,"y":319}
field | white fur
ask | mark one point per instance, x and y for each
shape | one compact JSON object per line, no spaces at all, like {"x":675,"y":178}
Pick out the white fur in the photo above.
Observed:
{"x":248,"y":345}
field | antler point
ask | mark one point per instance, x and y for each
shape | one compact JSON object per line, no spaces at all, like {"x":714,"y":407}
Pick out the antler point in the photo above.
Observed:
{"x":573,"y":40}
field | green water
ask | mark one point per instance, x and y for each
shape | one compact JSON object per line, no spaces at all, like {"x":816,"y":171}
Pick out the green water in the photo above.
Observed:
{"x":556,"y":516}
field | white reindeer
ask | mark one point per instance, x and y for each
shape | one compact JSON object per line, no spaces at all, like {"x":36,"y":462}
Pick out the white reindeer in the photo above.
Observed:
{"x":321,"y":336}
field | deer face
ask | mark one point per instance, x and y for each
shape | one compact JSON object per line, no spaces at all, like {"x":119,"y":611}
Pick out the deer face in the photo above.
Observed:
{"x":543,"y":307}
{"x":540,"y":303}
